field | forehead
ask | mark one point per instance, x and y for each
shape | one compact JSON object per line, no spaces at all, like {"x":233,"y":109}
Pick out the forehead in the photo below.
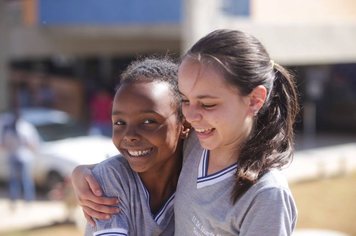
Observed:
{"x":144,"y":94}
{"x":200,"y":77}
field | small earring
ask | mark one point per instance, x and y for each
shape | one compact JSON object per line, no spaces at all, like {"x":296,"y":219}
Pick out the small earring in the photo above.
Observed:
{"x":185,"y":133}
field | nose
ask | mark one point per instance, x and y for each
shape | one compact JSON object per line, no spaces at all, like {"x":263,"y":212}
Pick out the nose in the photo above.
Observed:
{"x":191,"y":113}
{"x":131,"y":134}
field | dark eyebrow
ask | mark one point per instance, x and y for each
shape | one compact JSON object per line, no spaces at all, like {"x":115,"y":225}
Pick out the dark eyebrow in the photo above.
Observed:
{"x":116,"y":112}
{"x":181,"y":94}
{"x":207,"y":96}
{"x":201,"y":96}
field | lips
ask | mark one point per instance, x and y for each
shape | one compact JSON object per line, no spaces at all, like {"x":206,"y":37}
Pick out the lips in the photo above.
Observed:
{"x":139,"y":153}
{"x":204,"y":131}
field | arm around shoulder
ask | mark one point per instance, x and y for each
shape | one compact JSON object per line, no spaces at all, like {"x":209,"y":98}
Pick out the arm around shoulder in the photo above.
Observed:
{"x":89,"y":194}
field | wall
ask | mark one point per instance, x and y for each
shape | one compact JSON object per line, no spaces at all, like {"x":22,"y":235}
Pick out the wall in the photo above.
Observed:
{"x":294,"y":32}
{"x":108,"y":12}
{"x":303,"y":11}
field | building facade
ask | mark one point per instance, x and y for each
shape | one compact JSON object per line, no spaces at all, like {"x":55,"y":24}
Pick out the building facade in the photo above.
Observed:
{"x":84,"y":44}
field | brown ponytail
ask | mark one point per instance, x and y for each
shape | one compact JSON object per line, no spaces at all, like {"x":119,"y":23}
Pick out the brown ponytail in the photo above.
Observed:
{"x":271,"y":143}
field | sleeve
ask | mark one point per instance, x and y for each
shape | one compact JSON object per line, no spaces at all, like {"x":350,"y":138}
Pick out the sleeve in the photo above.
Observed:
{"x":117,"y":225}
{"x":272,"y":213}
{"x":101,"y":230}
{"x":113,"y":184}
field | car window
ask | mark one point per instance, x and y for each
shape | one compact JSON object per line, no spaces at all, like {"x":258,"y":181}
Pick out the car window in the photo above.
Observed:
{"x":51,"y":125}
{"x":57,"y":131}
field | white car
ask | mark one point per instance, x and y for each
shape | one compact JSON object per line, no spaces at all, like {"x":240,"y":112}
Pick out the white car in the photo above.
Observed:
{"x":64,"y":144}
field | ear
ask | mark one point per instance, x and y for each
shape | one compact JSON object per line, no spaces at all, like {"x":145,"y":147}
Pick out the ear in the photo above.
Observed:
{"x":185,"y":129}
{"x":257,"y":99}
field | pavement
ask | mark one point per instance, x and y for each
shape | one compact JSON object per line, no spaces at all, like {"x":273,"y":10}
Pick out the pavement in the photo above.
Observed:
{"x":314,"y":159}
{"x":22,"y":215}
{"x":322,"y":162}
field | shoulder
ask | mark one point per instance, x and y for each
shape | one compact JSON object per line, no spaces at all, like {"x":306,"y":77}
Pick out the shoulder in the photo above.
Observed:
{"x":271,"y":187}
{"x":115,"y":176}
{"x":270,"y":196}
{"x":273,"y":179}
{"x":116,"y":164}
{"x":109,"y":171}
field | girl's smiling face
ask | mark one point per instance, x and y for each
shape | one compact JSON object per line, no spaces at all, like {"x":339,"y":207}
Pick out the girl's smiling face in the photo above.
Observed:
{"x":146,"y":129}
{"x":221,"y":117}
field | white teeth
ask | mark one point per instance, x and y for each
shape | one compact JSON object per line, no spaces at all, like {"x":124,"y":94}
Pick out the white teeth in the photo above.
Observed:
{"x":138,"y":153}
{"x":202,"y":130}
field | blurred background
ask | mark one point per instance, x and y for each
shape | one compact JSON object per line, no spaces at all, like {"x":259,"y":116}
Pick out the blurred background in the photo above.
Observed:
{"x":60,"y":61}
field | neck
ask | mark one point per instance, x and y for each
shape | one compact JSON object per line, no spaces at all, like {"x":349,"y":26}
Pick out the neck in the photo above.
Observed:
{"x":221,"y":158}
{"x":162,"y":184}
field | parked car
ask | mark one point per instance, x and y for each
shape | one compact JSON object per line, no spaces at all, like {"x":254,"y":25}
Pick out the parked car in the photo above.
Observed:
{"x":64,"y":144}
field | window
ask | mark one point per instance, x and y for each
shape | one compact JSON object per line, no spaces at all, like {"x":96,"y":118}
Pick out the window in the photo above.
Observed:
{"x":239,"y":8}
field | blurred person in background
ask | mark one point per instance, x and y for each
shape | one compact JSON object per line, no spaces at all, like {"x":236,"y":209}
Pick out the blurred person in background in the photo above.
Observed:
{"x":19,"y":140}
{"x":24,"y":95}
{"x":45,"y":95}
{"x":100,"y":112}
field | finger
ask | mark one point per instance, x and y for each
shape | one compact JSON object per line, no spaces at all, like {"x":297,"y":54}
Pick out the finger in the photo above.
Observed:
{"x":94,"y":185}
{"x":90,"y":220}
{"x":95,"y":214}
{"x":92,"y":199}
{"x":111,"y":209}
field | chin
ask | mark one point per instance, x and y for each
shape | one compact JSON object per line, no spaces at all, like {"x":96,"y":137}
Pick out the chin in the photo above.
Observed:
{"x":208,"y":146}
{"x":137,"y":169}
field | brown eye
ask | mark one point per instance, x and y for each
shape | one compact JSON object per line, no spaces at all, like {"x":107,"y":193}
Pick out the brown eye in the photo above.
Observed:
{"x":120,"y":122}
{"x":185,"y":101}
{"x":207,"y":106}
{"x":149,"y":121}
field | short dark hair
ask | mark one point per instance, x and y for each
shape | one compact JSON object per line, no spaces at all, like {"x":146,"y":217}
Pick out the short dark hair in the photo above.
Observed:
{"x":151,"y":69}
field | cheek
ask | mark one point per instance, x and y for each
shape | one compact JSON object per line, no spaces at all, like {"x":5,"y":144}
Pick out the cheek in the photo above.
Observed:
{"x":214,"y":117}
{"x":224,"y":119}
{"x":184,"y":110}
{"x":116,"y":137}
{"x":169,"y":138}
